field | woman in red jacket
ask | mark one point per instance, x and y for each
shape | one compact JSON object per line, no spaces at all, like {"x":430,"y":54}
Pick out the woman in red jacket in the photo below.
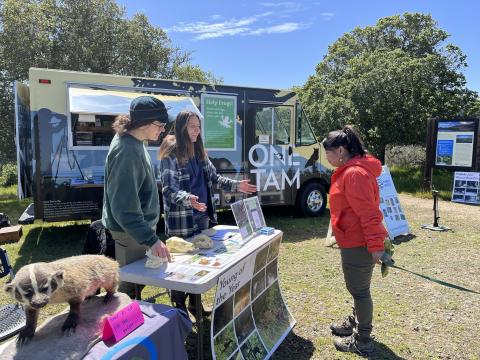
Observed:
{"x":358,"y":229}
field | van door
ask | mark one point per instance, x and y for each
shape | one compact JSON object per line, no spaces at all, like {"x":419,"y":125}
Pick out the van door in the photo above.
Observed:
{"x":23,"y":140}
{"x":269,"y":157}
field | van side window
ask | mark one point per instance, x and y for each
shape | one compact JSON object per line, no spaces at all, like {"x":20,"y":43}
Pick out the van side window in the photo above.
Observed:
{"x":304,"y":132}
{"x":272,"y":124}
{"x":92,"y":112}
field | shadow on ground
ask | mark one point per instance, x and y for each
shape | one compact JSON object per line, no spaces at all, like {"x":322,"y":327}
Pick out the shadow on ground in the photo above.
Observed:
{"x":403,"y":239}
{"x":294,"y":347}
{"x":51,"y":243}
{"x":383,"y":352}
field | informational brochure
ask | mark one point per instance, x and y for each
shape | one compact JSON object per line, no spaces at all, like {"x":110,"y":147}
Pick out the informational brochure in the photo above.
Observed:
{"x":393,"y":215}
{"x":466,"y":187}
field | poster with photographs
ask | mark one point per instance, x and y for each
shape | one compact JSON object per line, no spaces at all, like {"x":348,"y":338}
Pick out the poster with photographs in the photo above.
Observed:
{"x":255,"y":213}
{"x":393,"y":215}
{"x":249,"y":217}
{"x":250,"y":317}
{"x":466,"y":187}
{"x":241,"y":218}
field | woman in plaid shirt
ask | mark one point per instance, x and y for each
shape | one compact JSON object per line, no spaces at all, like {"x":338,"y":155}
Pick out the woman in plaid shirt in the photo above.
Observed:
{"x":188,"y":179}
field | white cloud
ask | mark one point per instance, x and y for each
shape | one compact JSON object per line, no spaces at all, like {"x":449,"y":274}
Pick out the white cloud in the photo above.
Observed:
{"x":282,"y":28}
{"x":245,"y":26}
{"x":327,"y":15}
{"x":285,"y":4}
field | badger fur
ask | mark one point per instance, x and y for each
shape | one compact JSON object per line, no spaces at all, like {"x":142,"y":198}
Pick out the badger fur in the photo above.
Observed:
{"x":68,"y":280}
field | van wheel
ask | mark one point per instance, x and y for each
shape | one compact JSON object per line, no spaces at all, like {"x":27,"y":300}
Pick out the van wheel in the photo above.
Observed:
{"x":312,"y":200}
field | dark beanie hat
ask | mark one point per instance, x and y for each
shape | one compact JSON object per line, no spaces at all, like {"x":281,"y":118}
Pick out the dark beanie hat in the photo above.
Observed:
{"x":145,"y":110}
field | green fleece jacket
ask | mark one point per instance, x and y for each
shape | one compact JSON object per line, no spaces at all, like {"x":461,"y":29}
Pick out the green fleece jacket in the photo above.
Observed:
{"x":130,"y":198}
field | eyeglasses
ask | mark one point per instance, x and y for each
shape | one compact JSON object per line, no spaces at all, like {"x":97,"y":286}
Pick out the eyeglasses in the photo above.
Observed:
{"x":159,"y":124}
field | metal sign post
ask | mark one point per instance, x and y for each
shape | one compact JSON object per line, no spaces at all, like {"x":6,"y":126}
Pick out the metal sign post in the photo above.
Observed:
{"x":435,"y":226}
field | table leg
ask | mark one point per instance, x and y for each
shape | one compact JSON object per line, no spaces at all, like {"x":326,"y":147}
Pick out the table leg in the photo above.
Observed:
{"x":199,"y":320}
{"x":138,"y":292}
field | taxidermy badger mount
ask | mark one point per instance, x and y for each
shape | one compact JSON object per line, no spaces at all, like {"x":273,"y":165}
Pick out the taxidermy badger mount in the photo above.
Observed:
{"x":68,"y":280}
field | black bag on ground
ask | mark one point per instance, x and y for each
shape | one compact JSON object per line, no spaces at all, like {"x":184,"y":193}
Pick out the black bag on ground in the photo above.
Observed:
{"x":4,"y":220}
{"x":99,"y":241}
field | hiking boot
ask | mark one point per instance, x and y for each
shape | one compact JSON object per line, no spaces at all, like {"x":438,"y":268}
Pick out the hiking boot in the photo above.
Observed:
{"x":354,"y":345}
{"x":345,"y":328}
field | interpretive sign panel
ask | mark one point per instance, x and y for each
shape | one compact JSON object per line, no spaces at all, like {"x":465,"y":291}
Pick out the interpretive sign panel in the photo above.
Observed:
{"x":393,"y":215}
{"x":250,"y":318}
{"x":456,"y":142}
{"x":466,"y":187}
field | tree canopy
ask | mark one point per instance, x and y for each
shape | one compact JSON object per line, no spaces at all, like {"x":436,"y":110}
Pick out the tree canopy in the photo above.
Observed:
{"x":388,"y":79}
{"x":81,"y":35}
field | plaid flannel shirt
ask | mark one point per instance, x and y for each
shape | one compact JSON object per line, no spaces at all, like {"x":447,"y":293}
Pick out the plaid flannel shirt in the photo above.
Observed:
{"x":176,"y":195}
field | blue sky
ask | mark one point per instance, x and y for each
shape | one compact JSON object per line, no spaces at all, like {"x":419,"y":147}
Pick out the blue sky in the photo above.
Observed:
{"x":277,"y":44}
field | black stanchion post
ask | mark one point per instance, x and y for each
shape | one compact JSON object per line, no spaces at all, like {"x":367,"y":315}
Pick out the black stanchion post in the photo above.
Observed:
{"x":435,"y":226}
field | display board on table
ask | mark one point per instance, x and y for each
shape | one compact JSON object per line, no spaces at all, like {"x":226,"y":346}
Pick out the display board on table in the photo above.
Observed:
{"x":393,"y":215}
{"x":249,"y":217}
{"x":250,"y":317}
{"x":466,"y":187}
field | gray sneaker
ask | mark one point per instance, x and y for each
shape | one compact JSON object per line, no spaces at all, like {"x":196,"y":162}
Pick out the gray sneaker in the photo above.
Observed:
{"x":354,"y":345}
{"x":345,"y":328}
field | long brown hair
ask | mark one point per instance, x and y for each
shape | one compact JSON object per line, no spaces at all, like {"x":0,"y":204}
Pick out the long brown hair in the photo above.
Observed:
{"x":184,"y":148}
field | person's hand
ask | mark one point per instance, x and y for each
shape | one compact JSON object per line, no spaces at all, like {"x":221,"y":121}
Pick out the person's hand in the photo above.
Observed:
{"x":376,"y":256}
{"x":160,"y":249}
{"x":247,"y":188}
{"x":197,"y":205}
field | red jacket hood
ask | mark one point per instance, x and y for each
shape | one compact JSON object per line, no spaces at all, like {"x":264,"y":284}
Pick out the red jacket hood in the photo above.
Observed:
{"x":368,"y":162}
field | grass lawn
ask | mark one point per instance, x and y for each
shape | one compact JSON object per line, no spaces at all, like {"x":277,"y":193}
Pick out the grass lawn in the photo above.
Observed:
{"x":410,"y":180}
{"x":413,"y":318}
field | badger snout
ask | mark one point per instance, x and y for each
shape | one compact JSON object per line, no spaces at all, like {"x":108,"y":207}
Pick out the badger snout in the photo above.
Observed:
{"x":39,"y":302}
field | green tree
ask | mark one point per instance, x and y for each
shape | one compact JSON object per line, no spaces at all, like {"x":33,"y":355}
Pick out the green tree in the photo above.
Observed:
{"x":388,"y":79}
{"x":81,"y":35}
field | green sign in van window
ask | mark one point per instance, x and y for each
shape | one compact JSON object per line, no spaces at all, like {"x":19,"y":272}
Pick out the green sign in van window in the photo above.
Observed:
{"x":219,"y":123}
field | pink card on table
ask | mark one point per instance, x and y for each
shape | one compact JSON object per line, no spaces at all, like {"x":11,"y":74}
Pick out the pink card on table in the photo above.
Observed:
{"x":122,"y":323}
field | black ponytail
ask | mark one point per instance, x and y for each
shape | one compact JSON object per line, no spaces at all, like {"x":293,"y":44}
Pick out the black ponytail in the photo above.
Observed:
{"x":348,"y":138}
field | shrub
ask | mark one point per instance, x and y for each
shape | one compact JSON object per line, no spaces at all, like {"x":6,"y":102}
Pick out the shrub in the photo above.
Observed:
{"x":8,"y":174}
{"x":405,"y":155}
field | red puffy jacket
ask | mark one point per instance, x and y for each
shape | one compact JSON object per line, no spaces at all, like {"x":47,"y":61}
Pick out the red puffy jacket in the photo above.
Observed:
{"x":354,"y":204}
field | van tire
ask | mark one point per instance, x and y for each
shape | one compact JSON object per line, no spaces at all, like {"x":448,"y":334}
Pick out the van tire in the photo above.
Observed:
{"x":312,"y":200}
